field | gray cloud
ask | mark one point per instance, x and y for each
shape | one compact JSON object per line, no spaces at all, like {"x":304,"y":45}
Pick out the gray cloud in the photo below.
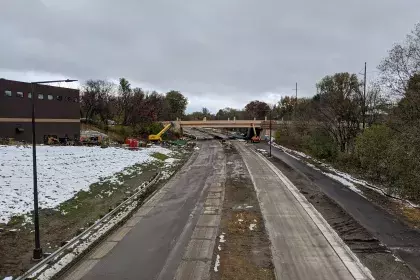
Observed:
{"x":218,"y":52}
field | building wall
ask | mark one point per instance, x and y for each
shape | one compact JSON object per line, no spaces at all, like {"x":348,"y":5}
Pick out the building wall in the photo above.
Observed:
{"x":8,"y":130}
{"x":58,"y":113}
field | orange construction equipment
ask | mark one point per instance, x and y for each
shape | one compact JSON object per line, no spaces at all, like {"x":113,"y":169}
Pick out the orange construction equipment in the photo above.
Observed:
{"x":255,"y":138}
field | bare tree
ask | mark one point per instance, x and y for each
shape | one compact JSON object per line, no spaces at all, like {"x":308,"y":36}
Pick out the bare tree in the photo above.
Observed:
{"x":105,"y":97}
{"x":89,"y":98}
{"x":402,"y":63}
{"x":337,"y":107}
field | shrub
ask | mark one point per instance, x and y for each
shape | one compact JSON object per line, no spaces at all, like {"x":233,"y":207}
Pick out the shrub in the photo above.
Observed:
{"x":287,"y":136}
{"x":320,"y":145}
{"x":374,"y":149}
{"x":391,"y":159}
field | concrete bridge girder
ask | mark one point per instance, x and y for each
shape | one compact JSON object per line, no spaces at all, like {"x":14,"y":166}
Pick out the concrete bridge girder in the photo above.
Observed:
{"x":262,"y":125}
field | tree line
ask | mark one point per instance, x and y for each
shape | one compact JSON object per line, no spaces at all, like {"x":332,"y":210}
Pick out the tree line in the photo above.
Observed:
{"x":374,"y":134}
{"x":134,"y":110}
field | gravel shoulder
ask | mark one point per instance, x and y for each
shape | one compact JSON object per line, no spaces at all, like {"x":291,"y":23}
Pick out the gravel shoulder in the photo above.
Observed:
{"x":242,"y":249}
{"x":374,"y":245}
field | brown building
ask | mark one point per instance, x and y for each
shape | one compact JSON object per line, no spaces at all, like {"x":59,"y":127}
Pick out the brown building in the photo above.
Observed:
{"x":57,"y":111}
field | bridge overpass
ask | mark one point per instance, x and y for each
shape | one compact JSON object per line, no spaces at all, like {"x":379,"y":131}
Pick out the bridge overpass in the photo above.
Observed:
{"x":262,"y":124}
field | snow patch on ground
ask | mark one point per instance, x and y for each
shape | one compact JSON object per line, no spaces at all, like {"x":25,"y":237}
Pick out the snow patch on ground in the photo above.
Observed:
{"x":347,"y":180}
{"x":252,"y":226}
{"x":342,"y":177}
{"x":217,"y":263}
{"x":170,"y":160}
{"x":397,"y":259}
{"x":27,"y":220}
{"x":313,"y":166}
{"x":262,"y":151}
{"x":222,"y":238}
{"x":343,"y":181}
{"x":62,"y":172}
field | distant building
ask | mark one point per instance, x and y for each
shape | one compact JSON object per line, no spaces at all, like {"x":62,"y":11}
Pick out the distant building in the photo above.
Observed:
{"x":57,"y":111}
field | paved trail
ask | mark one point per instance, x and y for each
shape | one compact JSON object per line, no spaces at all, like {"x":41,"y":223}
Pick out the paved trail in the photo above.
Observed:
{"x":303,"y":245}
{"x":152,"y":244}
{"x":388,"y":229}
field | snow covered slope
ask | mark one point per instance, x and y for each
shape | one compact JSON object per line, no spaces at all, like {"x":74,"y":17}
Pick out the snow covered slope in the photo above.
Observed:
{"x":62,"y":172}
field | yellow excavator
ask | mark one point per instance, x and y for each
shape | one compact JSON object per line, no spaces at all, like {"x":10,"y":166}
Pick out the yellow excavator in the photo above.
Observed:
{"x":255,"y":138}
{"x":158,"y":137}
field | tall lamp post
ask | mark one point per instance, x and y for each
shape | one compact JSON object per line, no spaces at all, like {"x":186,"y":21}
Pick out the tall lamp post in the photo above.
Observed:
{"x":37,"y":254}
{"x":270,"y":130}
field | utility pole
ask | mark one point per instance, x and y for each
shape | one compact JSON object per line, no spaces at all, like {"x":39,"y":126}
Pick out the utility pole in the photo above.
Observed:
{"x":296,"y":100}
{"x":364,"y":100}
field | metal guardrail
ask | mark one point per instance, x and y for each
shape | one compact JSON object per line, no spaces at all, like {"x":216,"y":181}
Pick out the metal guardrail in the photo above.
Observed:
{"x":56,"y":254}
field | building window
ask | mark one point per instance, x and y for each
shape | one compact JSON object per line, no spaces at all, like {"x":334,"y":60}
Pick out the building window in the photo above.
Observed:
{"x":68,"y":98}
{"x":40,"y":96}
{"x":50,"y":97}
{"x":29,"y":95}
{"x":59,"y":98}
{"x":7,"y":93}
{"x":19,"y":94}
{"x":76,"y":99}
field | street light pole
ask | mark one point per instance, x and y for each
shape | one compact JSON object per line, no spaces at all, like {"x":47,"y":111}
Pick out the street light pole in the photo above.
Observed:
{"x":37,"y":253}
{"x":270,"y":132}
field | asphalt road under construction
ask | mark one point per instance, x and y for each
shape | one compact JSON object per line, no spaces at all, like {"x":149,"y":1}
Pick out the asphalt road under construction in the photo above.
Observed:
{"x":173,"y":235}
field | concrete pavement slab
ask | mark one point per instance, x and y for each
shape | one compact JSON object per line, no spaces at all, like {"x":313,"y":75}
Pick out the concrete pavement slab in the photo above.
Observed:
{"x":193,"y":270}
{"x":300,"y":248}
{"x":199,"y":249}
{"x":212,"y":202}
{"x":208,"y":220}
{"x":204,"y":233}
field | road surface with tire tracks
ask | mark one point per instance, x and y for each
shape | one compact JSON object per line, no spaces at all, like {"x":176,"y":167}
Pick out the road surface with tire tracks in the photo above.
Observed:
{"x":173,"y":234}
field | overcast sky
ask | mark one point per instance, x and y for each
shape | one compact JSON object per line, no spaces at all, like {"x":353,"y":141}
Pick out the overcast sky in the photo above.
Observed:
{"x":219,"y":53}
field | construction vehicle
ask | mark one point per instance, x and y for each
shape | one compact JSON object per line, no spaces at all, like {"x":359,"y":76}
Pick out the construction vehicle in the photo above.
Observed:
{"x":255,"y":138}
{"x":53,"y":140}
{"x":158,"y":137}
